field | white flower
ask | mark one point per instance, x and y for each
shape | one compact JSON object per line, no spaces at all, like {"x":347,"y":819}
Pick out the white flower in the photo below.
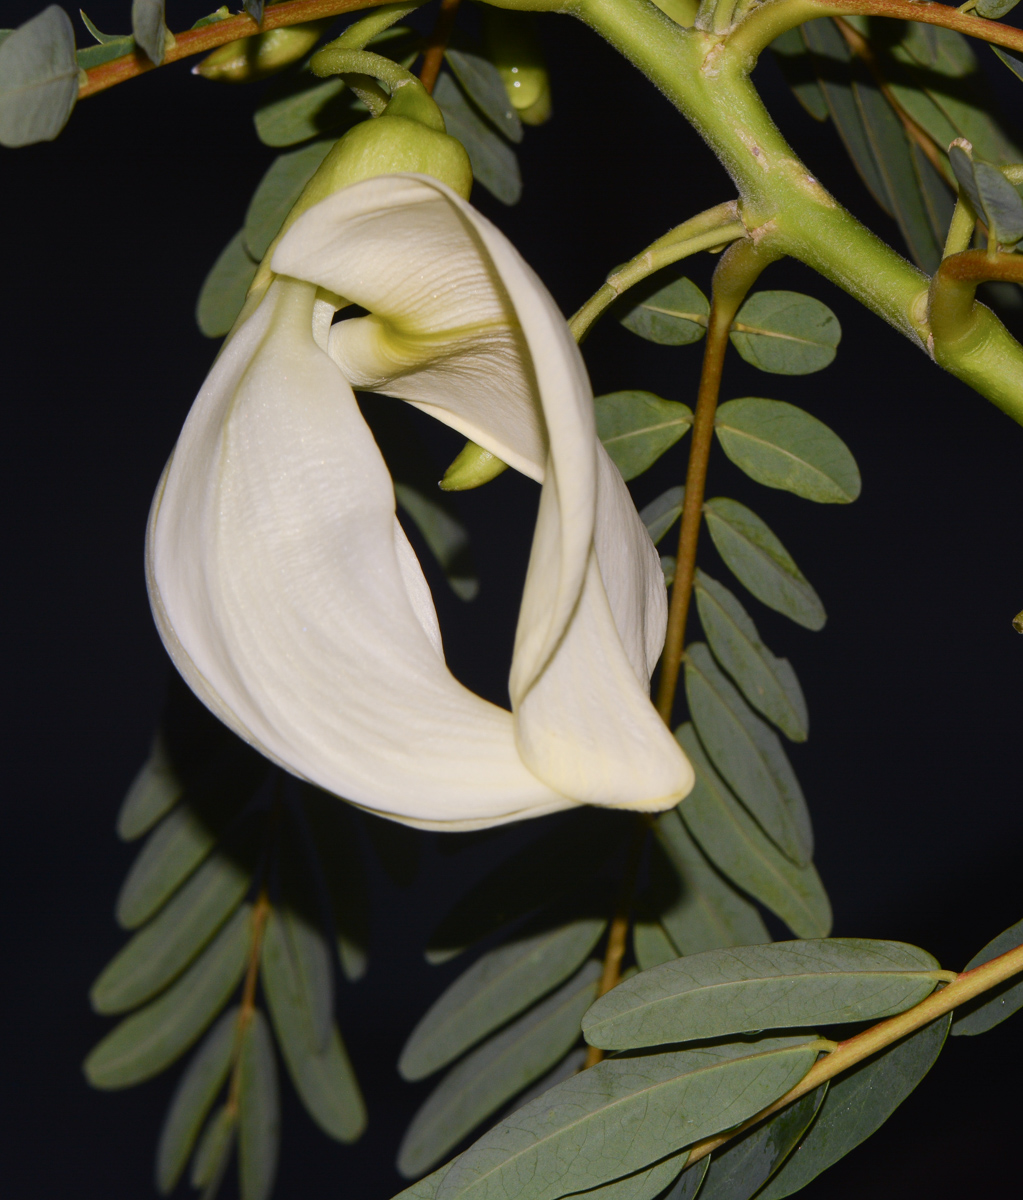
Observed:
{"x":288,"y":595}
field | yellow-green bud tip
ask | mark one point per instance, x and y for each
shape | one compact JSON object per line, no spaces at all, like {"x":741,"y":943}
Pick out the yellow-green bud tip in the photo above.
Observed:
{"x":473,"y":467}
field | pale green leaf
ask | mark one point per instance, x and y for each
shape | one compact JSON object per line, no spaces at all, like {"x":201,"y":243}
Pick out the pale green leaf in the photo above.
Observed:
{"x":259,"y":1116}
{"x":498,"y":986}
{"x":737,"y":846}
{"x":660,"y":514}
{"x":1012,"y":61}
{"x":637,"y":427}
{"x":786,"y":333}
{"x":671,"y":314}
{"x":761,"y":563}
{"x":572,"y":1063}
{"x":747,"y":752}
{"x":496,"y":1071}
{"x":992,"y":1007}
{"x":110,"y":47}
{"x":324,"y":1079}
{"x":858,"y":1103}
{"x":205,"y":1075}
{"x":669,"y":565}
{"x":299,"y":107}
{"x":651,"y":944}
{"x":623,"y":1114}
{"x":162,"y":949}
{"x":143,"y":1044}
{"x":277,"y":192}
{"x":224,"y":288}
{"x":640,"y":1185}
{"x":993,"y":197}
{"x":740,"y":1168}
{"x":307,"y":956}
{"x":153,"y":793}
{"x":38,"y":79}
{"x":781,"y":446}
{"x":446,"y":536}
{"x":494,"y":164}
{"x":791,"y":53}
{"x":784,"y":985}
{"x":560,"y":860}
{"x":690,"y":1181}
{"x":214,"y":1151}
{"x":994,"y":10}
{"x":708,"y":912}
{"x":484,"y":87}
{"x":768,"y":683}
{"x":149,"y":28}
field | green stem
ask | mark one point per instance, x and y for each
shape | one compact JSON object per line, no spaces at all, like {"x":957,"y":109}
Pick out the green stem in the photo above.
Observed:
{"x":715,"y":227}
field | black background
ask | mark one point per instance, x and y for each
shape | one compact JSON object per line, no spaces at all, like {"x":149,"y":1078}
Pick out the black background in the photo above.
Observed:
{"x":912,"y":769}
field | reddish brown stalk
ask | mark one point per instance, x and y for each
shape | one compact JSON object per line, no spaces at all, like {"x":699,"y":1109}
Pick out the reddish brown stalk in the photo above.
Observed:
{"x":440,"y":35}
{"x":927,"y":13}
{"x":198,"y":41}
{"x":260,"y":912}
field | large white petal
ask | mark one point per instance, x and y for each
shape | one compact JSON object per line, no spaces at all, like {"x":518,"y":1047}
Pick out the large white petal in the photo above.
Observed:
{"x":292,"y":603}
{"x":461,"y":326}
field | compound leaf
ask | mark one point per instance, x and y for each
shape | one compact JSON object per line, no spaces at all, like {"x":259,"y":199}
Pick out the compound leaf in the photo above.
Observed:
{"x":259,"y":1116}
{"x":781,"y":446}
{"x":784,"y":985}
{"x":739,"y":848}
{"x":628,"y":1112}
{"x":149,"y":1040}
{"x":761,"y":563}
{"x":498,"y":986}
{"x":748,"y":754}
{"x":857,"y":1104}
{"x":193,"y":1098}
{"x":637,"y":427}
{"x":768,"y":683}
{"x":496,"y":1071}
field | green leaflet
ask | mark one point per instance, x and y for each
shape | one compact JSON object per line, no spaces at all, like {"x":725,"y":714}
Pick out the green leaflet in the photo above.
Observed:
{"x":748,"y":754}
{"x":111,"y":48}
{"x":153,"y":792}
{"x":324,"y":1079}
{"x":784,"y":985}
{"x":205,"y":1075}
{"x":672,"y":314}
{"x":149,"y":1040}
{"x":224,"y":288}
{"x":994,"y":10}
{"x":737,"y":846}
{"x":786,"y":333}
{"x":640,"y":1185}
{"x":740,"y":1168}
{"x":555,"y":863}
{"x":494,"y":164}
{"x":214,"y":1151}
{"x":781,"y":446}
{"x":761,"y":563}
{"x":298,"y":107}
{"x":768,"y":683}
{"x":277,"y":192}
{"x":709,"y":912}
{"x":669,"y":564}
{"x":164,"y":947}
{"x":857,"y":1104}
{"x":38,"y":79}
{"x":572,"y":1063}
{"x":651,"y":944}
{"x":334,"y":836}
{"x":660,"y":514}
{"x":791,"y":53}
{"x":637,"y":427}
{"x":259,"y":1117}
{"x":627,"y":1112}
{"x":993,"y":197}
{"x":498,"y":986}
{"x":992,"y":1008}
{"x":147,"y":24}
{"x":1012,"y":61}
{"x":496,"y":1071}
{"x":482,"y":83}
{"x":173,"y":850}
{"x":446,"y":536}
{"x":689,"y":1182}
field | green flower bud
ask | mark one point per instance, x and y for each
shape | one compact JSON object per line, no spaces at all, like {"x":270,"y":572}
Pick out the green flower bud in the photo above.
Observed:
{"x":512,"y":47}
{"x":473,"y":467}
{"x":263,"y":54}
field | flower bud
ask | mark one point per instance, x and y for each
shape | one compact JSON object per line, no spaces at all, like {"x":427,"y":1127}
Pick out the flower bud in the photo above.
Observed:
{"x":473,"y":467}
{"x":262,"y":54}
{"x":512,"y":47}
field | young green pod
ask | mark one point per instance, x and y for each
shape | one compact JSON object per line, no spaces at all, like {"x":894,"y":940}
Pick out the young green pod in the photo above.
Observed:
{"x":512,"y":47}
{"x":263,"y":54}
